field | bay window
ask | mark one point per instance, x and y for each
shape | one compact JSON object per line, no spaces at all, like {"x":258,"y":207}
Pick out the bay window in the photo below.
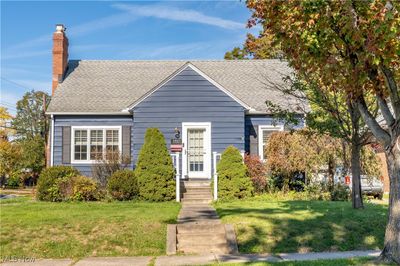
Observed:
{"x":91,"y":144}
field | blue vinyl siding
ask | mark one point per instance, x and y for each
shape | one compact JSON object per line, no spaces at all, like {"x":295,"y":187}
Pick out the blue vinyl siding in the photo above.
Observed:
{"x":251,"y":121}
{"x":189,"y":97}
{"x":60,"y":121}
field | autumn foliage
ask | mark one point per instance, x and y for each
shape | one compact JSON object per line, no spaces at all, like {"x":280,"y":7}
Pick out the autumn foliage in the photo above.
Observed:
{"x":300,"y":151}
{"x":257,"y":171}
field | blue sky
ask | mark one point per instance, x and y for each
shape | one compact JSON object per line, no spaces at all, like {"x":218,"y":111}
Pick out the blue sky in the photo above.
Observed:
{"x":111,"y":30}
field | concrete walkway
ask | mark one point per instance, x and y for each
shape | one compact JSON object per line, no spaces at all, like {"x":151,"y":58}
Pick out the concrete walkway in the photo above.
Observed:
{"x":196,"y":259}
{"x":248,"y":258}
{"x":199,"y":229}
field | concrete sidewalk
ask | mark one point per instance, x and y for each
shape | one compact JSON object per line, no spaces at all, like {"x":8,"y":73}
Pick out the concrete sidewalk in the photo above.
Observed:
{"x":246,"y":258}
{"x":204,"y":259}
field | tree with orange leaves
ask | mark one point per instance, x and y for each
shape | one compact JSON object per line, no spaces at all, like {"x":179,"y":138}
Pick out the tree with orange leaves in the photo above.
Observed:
{"x":354,"y":47}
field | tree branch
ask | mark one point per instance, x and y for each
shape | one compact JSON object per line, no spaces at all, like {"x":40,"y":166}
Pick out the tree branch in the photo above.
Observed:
{"x":382,"y":135}
{"x":393,"y":90}
{"x":387,"y":114}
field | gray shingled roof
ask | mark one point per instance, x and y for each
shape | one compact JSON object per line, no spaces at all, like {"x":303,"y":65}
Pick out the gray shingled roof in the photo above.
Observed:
{"x":110,"y":86}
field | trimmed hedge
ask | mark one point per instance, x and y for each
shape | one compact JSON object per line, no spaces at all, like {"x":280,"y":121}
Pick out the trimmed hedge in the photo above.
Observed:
{"x":154,"y":169}
{"x":233,"y":179}
{"x":123,"y":185}
{"x":48,"y":188}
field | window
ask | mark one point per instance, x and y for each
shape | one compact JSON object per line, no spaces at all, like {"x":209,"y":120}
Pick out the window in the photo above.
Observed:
{"x":96,"y":144}
{"x":93,"y":143}
{"x":264,"y":132}
{"x":112,"y":143}
{"x":80,"y":145}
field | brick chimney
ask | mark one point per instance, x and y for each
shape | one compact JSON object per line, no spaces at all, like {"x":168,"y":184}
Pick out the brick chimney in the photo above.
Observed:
{"x":60,"y":55}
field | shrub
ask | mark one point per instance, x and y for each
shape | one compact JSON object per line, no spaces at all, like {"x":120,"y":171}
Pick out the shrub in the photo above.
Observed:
{"x":233,"y":179}
{"x":71,"y":187}
{"x":123,"y":185}
{"x":48,"y":186}
{"x":316,"y":191}
{"x":14,"y":180}
{"x":105,"y":167}
{"x":257,"y":172}
{"x":154,"y":169}
{"x":340,"y":192}
{"x":84,"y":188}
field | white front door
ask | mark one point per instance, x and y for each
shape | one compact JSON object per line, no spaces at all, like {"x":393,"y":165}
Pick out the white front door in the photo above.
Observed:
{"x":196,"y":159}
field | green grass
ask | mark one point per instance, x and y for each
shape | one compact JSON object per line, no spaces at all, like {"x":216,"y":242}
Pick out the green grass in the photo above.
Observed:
{"x":265,"y":225}
{"x":79,"y":229}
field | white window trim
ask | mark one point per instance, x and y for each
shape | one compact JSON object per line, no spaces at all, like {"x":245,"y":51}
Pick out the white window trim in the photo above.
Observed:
{"x":88,"y":161}
{"x":260,"y":137}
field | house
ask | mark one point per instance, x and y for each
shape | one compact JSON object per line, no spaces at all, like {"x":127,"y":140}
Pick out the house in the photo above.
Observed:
{"x":207,"y":105}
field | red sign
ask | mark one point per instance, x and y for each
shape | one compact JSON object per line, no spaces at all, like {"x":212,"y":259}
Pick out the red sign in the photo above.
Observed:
{"x":176,"y":147}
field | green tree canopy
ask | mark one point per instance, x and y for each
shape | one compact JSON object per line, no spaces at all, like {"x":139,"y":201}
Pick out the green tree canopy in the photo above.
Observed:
{"x":30,"y":120}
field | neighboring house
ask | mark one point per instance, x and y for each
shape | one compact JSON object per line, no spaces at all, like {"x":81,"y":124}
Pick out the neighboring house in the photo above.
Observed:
{"x":99,"y":105}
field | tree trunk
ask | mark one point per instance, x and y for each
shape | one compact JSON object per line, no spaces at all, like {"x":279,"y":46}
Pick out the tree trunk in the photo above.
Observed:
{"x":391,"y":250}
{"x":345,"y":158}
{"x":356,"y":176}
{"x":331,"y":173}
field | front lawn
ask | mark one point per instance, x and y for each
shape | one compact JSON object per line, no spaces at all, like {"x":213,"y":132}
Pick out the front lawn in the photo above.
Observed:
{"x":265,"y":225}
{"x":77,"y":229}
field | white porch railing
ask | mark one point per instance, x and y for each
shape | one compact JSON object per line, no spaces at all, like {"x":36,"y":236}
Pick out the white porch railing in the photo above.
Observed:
{"x":216,"y":158}
{"x":176,"y":163}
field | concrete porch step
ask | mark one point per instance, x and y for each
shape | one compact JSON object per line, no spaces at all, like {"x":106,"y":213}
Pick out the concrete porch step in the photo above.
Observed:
{"x":196,"y":200}
{"x":197,"y":192}
{"x":196,"y":187}
{"x":199,"y":211}
{"x":197,"y":196}
{"x":202,"y":228}
{"x":197,"y":184}
{"x":198,"y":249}
{"x":206,"y":220}
{"x":193,"y":204}
{"x":203,"y":239}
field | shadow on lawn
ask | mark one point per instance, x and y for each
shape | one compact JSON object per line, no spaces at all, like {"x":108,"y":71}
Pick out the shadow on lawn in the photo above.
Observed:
{"x":301,"y":226}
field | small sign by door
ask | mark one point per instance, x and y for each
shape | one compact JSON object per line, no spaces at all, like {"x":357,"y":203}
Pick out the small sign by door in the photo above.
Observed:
{"x":176,"y":147}
{"x":176,"y":141}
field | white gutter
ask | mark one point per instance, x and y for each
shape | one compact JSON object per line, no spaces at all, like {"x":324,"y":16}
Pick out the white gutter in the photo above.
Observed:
{"x":124,"y":112}
{"x":52,"y":141}
{"x":255,"y":112}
